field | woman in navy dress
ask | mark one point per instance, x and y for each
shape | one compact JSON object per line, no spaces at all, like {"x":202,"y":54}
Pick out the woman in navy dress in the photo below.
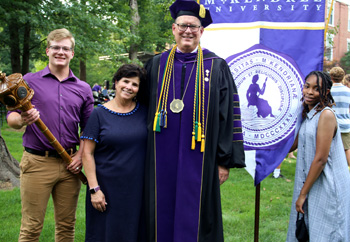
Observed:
{"x":113,"y":159}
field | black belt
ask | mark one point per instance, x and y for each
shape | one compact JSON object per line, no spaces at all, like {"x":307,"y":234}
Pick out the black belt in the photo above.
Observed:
{"x":50,"y":153}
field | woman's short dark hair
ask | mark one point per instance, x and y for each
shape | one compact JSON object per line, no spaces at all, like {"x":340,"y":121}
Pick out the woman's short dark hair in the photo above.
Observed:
{"x":130,"y":70}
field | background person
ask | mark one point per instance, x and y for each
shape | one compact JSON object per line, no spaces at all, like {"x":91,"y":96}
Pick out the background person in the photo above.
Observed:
{"x":322,"y":180}
{"x":96,"y":88}
{"x":341,"y":95}
{"x":63,"y":103}
{"x":191,"y":145}
{"x":277,"y":171}
{"x":291,"y":155}
{"x":114,"y":155}
{"x":346,"y":80}
{"x":104,"y":91}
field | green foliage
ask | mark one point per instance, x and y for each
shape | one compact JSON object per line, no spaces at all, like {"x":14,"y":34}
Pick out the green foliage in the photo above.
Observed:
{"x":106,"y":70}
{"x":95,"y":25}
{"x":36,"y":12}
{"x":101,"y":28}
{"x":331,"y":32}
{"x":5,"y":59}
{"x":39,"y":65}
{"x":155,"y":26}
{"x":345,"y":62}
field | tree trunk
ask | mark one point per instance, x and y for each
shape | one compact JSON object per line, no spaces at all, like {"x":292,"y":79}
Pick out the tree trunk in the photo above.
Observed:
{"x":26,"y":52}
{"x":82,"y":70}
{"x":9,"y":166}
{"x":135,"y":18}
{"x":14,"y":46}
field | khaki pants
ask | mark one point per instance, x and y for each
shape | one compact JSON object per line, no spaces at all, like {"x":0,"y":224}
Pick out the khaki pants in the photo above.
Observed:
{"x":40,"y":177}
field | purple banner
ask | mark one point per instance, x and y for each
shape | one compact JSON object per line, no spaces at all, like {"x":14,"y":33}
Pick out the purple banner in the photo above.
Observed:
{"x":270,"y":47}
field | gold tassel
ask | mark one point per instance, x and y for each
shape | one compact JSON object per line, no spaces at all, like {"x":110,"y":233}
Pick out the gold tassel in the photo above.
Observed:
{"x":202,"y":144}
{"x":202,"y":11}
{"x":199,"y":132}
{"x":193,"y":145}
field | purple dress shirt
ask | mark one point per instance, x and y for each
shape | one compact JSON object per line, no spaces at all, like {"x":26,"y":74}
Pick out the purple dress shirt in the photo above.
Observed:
{"x":64,"y":107}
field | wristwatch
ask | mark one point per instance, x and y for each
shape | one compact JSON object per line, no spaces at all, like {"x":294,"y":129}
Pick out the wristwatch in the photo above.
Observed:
{"x":94,"y":189}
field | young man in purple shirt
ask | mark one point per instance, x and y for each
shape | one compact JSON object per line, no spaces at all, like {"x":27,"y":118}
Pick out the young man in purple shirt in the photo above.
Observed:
{"x":64,"y":103}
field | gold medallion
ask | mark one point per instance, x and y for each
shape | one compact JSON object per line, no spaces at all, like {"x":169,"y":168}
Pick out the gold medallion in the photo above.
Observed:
{"x":176,"y":106}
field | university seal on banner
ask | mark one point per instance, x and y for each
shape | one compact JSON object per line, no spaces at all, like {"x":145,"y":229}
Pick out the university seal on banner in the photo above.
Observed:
{"x":270,"y":88}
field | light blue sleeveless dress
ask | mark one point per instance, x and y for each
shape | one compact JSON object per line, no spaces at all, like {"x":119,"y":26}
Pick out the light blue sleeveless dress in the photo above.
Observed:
{"x":327,"y":207}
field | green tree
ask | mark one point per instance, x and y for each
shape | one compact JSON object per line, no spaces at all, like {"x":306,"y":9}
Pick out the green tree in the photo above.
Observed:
{"x":134,"y":27}
{"x":26,"y":23}
{"x":97,"y":27}
{"x":151,"y":35}
{"x":345,"y":62}
{"x":155,"y":26}
{"x":101,"y":28}
{"x":151,"y":26}
{"x":16,"y":34}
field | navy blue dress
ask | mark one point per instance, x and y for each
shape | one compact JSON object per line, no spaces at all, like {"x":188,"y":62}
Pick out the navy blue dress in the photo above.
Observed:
{"x":119,"y":156}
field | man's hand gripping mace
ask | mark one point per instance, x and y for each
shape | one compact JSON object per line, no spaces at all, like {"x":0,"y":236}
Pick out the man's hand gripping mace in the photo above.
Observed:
{"x":16,"y":94}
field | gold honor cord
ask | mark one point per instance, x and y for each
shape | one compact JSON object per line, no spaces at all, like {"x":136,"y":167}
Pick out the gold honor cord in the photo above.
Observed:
{"x":198,"y":106}
{"x":195,"y":101}
{"x":160,"y":119}
{"x":203,"y":98}
{"x":163,"y":112}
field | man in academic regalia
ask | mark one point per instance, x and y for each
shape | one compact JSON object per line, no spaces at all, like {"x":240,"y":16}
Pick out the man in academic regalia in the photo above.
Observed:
{"x":195,"y":134}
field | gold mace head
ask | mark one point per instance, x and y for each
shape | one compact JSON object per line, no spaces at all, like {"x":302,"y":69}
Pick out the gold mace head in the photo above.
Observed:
{"x":2,"y":76}
{"x":3,"y":81}
{"x":14,"y":92}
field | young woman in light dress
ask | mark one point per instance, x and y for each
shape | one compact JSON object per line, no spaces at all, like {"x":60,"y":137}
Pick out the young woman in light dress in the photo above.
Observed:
{"x":322,"y":180}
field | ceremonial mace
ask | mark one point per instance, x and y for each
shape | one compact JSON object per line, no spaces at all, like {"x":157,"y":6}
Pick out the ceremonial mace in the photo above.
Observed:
{"x":16,"y":94}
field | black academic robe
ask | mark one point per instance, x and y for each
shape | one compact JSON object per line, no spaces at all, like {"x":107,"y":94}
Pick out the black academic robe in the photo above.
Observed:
{"x":183,"y":200}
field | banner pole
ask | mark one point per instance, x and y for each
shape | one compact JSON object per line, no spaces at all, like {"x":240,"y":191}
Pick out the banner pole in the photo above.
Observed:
{"x":257,"y":212}
{"x":327,"y":21}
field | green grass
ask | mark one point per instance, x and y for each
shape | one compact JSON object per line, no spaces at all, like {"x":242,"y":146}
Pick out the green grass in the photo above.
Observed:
{"x":10,"y":200}
{"x":238,"y":204}
{"x":13,"y":139}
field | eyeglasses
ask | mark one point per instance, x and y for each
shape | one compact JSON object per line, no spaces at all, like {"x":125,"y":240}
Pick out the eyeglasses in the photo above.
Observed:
{"x":193,"y":28}
{"x":57,"y":48}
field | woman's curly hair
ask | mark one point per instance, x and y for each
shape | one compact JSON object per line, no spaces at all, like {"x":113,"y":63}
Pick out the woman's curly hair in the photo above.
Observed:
{"x":326,"y":99}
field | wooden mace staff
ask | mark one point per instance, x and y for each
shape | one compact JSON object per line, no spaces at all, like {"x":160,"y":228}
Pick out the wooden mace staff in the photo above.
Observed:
{"x":16,"y":94}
